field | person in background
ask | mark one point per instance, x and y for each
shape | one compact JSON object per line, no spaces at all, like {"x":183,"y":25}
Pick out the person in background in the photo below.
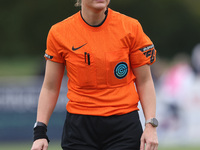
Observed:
{"x":107,"y":57}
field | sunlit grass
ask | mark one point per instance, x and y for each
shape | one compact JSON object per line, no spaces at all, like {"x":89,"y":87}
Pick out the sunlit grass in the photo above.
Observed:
{"x":23,"y":66}
{"x":56,"y":146}
{"x":26,"y":146}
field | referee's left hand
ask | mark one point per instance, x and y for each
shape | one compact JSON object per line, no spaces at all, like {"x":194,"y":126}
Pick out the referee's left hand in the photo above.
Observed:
{"x":149,"y":138}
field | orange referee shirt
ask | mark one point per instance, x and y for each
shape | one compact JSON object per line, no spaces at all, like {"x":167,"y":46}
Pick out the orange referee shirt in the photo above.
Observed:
{"x":99,"y":62}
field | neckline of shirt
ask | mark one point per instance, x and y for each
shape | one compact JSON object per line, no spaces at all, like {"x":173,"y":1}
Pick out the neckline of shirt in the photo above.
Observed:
{"x":96,"y":27}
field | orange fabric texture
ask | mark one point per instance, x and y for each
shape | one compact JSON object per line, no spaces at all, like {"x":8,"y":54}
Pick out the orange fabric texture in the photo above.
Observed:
{"x":99,"y":62}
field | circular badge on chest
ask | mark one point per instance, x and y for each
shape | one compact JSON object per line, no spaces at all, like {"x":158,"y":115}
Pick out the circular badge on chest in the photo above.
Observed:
{"x":121,"y":70}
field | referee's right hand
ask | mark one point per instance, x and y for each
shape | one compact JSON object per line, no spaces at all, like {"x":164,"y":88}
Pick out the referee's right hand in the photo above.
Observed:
{"x":40,"y":144}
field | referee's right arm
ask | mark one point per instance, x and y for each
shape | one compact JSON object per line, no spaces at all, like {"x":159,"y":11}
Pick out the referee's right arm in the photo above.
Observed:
{"x":48,"y":98}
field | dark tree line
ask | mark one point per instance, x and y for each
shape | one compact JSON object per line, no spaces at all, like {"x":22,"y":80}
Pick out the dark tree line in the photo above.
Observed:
{"x":173,"y":25}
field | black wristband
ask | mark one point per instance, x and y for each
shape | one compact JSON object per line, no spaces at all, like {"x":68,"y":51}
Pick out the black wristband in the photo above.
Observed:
{"x":40,"y":133}
{"x":40,"y":124}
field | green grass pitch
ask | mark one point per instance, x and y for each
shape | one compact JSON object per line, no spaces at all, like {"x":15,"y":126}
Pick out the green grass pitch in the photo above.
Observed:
{"x":56,"y":146}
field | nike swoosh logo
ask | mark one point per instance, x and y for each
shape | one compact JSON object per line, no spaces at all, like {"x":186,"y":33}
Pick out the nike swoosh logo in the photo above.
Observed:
{"x":74,"y":49}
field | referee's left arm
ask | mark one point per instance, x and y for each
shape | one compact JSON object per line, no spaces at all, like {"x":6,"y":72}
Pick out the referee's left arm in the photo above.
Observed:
{"x":146,"y":91}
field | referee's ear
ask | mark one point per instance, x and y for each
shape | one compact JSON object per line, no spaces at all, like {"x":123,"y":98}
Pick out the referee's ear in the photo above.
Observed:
{"x":78,"y":3}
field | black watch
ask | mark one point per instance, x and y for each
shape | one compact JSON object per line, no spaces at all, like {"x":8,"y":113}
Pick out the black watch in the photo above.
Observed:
{"x":39,"y":124}
{"x":153,"y":122}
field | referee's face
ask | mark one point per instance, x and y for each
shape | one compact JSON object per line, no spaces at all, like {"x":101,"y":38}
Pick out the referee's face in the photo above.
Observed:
{"x":95,"y":4}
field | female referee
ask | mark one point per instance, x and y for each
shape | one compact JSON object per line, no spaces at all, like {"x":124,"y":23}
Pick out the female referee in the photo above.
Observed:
{"x":107,"y":57}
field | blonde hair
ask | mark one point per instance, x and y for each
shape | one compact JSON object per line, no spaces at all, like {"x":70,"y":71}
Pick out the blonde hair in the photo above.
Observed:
{"x":78,"y":3}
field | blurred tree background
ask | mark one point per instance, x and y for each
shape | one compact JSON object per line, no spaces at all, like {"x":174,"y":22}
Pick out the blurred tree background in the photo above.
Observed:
{"x":173,"y":26}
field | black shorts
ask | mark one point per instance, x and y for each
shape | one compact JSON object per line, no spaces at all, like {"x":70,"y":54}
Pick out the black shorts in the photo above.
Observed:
{"x":118,"y":132}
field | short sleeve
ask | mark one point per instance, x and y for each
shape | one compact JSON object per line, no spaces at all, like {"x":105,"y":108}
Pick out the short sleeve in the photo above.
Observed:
{"x":52,"y":51}
{"x":142,"y":51}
